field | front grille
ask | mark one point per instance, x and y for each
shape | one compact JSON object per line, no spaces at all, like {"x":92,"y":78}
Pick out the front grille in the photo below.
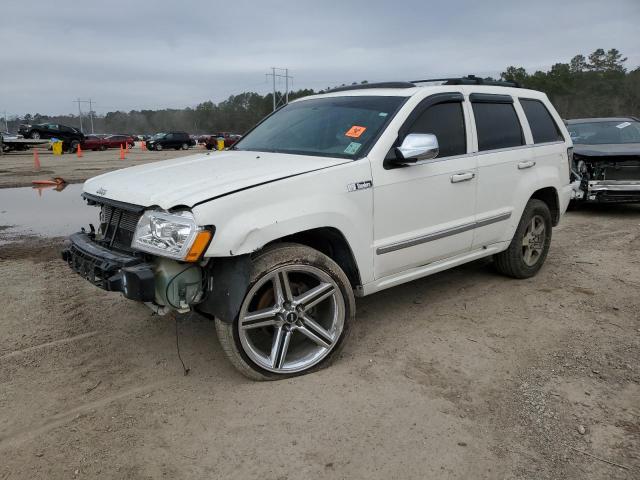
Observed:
{"x":117,"y":226}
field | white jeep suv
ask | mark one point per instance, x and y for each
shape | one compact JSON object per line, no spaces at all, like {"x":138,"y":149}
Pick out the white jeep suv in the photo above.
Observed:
{"x":333,"y":196}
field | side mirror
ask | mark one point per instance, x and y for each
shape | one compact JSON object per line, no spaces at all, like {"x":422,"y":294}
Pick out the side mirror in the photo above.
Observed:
{"x":416,"y":148}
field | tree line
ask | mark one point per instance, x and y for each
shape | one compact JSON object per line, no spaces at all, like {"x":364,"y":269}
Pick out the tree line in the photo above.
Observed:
{"x":597,"y":85}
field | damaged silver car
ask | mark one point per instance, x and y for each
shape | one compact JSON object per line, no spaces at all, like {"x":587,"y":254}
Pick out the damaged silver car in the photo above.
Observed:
{"x":606,"y":159}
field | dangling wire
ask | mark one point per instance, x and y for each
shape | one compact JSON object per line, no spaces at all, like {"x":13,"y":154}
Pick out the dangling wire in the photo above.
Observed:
{"x":184,"y":367}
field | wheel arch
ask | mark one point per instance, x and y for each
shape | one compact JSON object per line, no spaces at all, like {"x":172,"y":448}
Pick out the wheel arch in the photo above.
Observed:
{"x":549,"y":195}
{"x":331,"y":242}
{"x":229,"y":276}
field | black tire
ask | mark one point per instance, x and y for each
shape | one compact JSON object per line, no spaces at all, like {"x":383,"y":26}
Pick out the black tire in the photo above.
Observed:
{"x":73,"y":146}
{"x":512,"y":261}
{"x":185,"y":146}
{"x":158,"y":147}
{"x":34,"y":135}
{"x":209,"y":147}
{"x":264,"y":264}
{"x":102,"y":148}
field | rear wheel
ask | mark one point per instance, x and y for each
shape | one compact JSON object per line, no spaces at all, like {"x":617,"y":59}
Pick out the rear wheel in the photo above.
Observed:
{"x":35,"y":135}
{"x":73,"y":146}
{"x":103,"y":148}
{"x":530,"y":244}
{"x":295,"y":316}
{"x":185,"y":146}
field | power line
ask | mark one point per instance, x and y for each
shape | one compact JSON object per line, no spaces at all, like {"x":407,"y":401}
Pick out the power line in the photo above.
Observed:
{"x":79,"y":101}
{"x":286,"y":76}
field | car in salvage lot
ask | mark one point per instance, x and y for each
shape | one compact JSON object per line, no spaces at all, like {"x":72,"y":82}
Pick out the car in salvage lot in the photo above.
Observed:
{"x":175,"y":140}
{"x":117,"y":141}
{"x":606,"y":159}
{"x":94,"y":142}
{"x":333,"y":196}
{"x":71,"y":137}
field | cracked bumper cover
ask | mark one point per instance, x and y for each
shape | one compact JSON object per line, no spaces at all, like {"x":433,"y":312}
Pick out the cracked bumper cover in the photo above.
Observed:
{"x":110,"y":270}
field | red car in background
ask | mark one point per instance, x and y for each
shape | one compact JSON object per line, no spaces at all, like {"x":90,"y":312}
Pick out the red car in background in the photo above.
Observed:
{"x":116,"y":141}
{"x":229,"y":140}
{"x":102,"y":142}
{"x":93,"y":142}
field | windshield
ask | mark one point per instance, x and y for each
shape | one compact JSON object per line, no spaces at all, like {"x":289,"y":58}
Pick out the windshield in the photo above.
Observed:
{"x":158,"y":136}
{"x":599,"y":133}
{"x":344,"y":127}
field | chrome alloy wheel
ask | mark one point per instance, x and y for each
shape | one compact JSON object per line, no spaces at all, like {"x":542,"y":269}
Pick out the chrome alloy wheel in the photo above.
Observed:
{"x":533,"y":240}
{"x":291,"y":319}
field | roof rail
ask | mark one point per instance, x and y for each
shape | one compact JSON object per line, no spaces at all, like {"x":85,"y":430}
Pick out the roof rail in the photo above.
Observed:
{"x":469,"y":80}
{"x":362,"y":86}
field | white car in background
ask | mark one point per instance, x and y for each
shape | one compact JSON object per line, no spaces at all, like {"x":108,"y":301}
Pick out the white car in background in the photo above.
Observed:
{"x":333,"y":196}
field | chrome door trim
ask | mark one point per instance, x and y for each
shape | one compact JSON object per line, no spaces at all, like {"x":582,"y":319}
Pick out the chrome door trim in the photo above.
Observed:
{"x":465,"y":227}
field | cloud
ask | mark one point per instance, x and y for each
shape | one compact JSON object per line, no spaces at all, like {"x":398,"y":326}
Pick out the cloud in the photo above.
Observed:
{"x":146,"y":54}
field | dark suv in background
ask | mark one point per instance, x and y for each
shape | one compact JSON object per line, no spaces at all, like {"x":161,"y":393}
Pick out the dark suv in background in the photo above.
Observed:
{"x":177,"y":140}
{"x":71,"y":137}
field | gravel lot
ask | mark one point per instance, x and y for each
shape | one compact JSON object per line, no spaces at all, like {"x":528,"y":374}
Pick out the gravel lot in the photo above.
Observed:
{"x":464,"y":374}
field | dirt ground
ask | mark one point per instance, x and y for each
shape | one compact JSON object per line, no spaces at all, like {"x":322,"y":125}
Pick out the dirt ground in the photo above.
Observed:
{"x":17,"y":169}
{"x":464,"y":374}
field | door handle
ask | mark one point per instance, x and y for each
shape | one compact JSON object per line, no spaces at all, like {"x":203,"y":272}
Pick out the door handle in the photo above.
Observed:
{"x":462,"y":177}
{"x":527,"y":164}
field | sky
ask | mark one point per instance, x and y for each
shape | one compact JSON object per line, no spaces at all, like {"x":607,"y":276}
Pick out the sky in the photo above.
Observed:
{"x":128,"y":55}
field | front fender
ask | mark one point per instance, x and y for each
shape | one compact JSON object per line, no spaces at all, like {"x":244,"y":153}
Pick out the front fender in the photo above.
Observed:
{"x":246,"y":221}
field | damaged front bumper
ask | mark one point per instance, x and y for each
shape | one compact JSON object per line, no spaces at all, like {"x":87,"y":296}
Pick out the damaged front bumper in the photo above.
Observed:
{"x":611,"y":191}
{"x":110,"y":270}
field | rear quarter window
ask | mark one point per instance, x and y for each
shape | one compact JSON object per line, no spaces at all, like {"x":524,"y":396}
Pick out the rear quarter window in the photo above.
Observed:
{"x":543,"y":128}
{"x":497,"y":125}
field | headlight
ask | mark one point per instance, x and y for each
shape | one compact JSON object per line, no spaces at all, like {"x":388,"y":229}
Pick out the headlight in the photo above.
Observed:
{"x":170,"y":235}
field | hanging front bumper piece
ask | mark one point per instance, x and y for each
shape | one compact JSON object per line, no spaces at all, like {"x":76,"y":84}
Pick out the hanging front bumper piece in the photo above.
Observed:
{"x":110,"y":270}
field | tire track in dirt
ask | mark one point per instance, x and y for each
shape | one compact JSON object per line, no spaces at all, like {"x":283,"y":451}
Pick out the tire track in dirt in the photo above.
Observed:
{"x":17,"y":437}
{"x":53,"y":343}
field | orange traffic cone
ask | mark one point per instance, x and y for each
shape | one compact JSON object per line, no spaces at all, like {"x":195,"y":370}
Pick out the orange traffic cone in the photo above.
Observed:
{"x":79,"y":151}
{"x":122,"y":157}
{"x":36,"y":160}
{"x":143,"y":145}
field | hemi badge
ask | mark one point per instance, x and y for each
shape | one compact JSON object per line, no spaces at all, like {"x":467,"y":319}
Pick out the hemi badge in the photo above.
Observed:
{"x":352,"y":187}
{"x":101,"y":191}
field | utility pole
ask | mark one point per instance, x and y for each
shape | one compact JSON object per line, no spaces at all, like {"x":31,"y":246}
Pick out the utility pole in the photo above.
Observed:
{"x":6,"y":125}
{"x":91,"y":115}
{"x":80,"y":114}
{"x":280,"y":75}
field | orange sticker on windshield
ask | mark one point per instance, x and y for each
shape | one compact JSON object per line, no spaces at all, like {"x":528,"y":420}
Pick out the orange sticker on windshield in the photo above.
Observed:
{"x":355,"y":132}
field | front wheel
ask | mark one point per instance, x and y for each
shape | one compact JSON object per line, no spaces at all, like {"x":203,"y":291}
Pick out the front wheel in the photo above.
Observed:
{"x":35,"y":135}
{"x":530,"y":244}
{"x":295,"y":317}
{"x":159,"y":147}
{"x":185,"y":146}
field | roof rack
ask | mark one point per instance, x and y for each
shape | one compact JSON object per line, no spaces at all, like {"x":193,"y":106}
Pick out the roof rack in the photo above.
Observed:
{"x":469,"y":80}
{"x":362,"y":86}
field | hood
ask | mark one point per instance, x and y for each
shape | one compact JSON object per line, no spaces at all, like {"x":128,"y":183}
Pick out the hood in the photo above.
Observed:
{"x":608,"y":150}
{"x":196,"y":178}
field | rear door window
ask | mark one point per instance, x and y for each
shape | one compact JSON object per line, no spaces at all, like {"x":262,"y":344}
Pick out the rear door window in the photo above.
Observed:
{"x":497,"y":125}
{"x":446,"y":122}
{"x":543,"y":128}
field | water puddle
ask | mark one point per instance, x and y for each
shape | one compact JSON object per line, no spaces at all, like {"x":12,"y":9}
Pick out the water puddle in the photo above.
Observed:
{"x":54,"y":211}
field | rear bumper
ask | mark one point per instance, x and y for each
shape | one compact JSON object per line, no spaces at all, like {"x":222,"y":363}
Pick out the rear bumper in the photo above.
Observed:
{"x":110,"y":270}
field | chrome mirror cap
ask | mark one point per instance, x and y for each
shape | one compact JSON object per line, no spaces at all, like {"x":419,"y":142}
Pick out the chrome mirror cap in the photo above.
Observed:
{"x":417,"y":147}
